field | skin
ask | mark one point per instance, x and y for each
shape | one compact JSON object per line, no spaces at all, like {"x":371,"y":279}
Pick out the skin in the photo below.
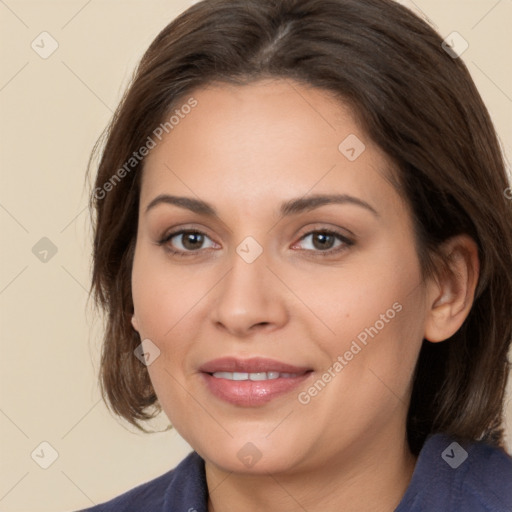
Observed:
{"x":245,"y":150}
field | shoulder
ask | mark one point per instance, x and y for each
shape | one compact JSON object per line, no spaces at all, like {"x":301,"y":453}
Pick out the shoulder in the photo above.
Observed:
{"x":487,"y":479}
{"x":183,"y":484}
{"x":455,"y":475}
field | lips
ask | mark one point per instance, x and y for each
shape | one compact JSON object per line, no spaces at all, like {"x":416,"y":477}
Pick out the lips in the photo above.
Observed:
{"x":252,"y":365}
{"x":253,"y":376}
{"x":252,"y":382}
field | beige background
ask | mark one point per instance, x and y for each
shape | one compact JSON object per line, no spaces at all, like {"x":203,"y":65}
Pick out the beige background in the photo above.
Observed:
{"x":52,"y":111}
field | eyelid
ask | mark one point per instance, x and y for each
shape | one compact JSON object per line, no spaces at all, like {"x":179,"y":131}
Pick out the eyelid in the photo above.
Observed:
{"x":184,"y":228}
{"x":347,"y":242}
{"x":329,"y":228}
{"x":181,"y":231}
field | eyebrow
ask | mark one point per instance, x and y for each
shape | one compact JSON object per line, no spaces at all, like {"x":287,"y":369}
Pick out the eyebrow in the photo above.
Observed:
{"x":290,"y":207}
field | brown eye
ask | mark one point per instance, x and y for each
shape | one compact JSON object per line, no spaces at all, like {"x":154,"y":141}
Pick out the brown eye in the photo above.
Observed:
{"x":324,"y":242}
{"x":185,"y":241}
{"x":192,"y":241}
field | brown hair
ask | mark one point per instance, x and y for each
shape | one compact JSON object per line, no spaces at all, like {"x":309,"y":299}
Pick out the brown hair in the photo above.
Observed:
{"x":413,"y":99}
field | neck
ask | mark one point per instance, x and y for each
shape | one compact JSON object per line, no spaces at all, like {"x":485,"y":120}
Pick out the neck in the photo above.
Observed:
{"x":370,"y":477}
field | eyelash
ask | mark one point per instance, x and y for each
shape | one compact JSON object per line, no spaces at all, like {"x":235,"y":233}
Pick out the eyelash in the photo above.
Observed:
{"x":347,"y":243}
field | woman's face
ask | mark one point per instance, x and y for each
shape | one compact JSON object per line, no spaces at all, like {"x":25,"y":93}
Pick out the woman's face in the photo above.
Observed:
{"x":331,"y":287}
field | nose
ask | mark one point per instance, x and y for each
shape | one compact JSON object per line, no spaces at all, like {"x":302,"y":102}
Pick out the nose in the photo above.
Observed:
{"x":250,"y":298}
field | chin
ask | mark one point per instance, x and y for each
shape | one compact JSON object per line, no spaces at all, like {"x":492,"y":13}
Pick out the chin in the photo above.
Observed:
{"x":252,"y":464}
{"x":250,"y":457}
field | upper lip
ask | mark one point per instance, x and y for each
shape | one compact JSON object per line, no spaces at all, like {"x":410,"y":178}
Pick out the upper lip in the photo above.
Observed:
{"x":252,"y":365}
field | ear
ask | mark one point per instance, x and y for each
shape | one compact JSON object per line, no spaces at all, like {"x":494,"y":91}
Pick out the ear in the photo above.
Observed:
{"x":135,"y":323}
{"x":450,"y":296}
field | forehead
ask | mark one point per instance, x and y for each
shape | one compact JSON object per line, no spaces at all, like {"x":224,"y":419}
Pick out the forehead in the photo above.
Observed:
{"x":269,"y":138}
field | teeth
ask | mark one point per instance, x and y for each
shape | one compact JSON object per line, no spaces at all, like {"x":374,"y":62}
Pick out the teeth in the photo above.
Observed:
{"x":253,"y":376}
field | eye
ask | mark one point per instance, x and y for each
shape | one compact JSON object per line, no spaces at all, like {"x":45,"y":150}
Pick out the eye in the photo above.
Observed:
{"x":324,"y":242}
{"x":186,"y":241}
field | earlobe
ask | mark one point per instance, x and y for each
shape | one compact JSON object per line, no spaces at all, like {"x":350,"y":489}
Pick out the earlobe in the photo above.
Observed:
{"x":450,"y":298}
{"x":135,"y":324}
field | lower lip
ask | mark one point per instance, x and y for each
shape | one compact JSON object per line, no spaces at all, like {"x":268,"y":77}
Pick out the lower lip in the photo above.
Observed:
{"x":251,"y":393}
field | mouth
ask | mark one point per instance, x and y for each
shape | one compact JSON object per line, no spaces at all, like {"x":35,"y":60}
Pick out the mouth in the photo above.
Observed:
{"x":252,"y":365}
{"x":251,"y":382}
{"x":257,"y":376}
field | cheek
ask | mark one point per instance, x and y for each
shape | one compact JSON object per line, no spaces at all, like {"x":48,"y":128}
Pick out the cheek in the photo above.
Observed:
{"x":161,"y":302}
{"x":370,"y":366}
{"x":163,"y":295}
{"x":167,"y":301}
{"x":377,"y":314}
{"x":356,"y":297}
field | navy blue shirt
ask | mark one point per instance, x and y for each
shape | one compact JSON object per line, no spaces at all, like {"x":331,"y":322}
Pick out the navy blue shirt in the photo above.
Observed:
{"x":448,"y":477}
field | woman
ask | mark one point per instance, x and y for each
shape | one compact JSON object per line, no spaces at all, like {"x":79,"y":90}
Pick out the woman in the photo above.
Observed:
{"x":303,"y":243}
